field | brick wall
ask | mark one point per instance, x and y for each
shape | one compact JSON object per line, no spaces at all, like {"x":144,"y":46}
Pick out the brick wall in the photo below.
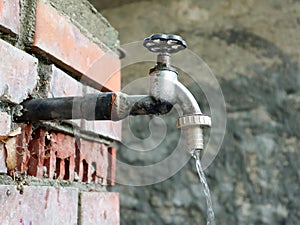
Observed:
{"x":56,"y":172}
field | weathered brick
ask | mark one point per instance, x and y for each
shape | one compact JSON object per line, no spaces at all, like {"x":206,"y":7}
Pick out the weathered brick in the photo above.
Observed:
{"x":63,"y":42}
{"x":18,"y":73}
{"x":15,"y":145}
{"x":63,"y":85}
{"x":107,"y":128}
{"x":22,"y":142}
{"x":37,"y":153}
{"x":40,"y":150}
{"x":106,"y":70}
{"x":38,"y":205}
{"x":5,"y":123}
{"x":92,"y":164}
{"x":99,"y":208}
{"x":10,"y":16}
{"x":43,"y":153}
{"x":61,"y":156}
{"x":3,"y":168}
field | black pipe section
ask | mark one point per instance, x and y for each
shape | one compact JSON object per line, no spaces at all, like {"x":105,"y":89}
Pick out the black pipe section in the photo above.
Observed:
{"x":150,"y":106}
{"x":102,"y":106}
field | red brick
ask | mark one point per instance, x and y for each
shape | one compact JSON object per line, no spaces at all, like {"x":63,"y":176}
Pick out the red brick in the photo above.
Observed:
{"x":38,"y":205}
{"x":10,"y":16}
{"x":61,"y":156}
{"x":106,"y":70}
{"x":37,"y":153}
{"x":63,"y":42}
{"x":107,"y":128}
{"x":63,"y":85}
{"x":92,"y":164}
{"x":56,"y":152}
{"x":99,"y":208}
{"x":3,"y":168}
{"x":18,"y":73}
{"x":41,"y":149}
{"x":5,"y":124}
{"x":23,"y":155}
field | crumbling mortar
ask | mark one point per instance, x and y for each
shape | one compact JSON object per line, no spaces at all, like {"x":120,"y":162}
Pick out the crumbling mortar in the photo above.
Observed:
{"x":10,"y":108}
{"x":43,"y":85}
{"x":79,"y":219}
{"x":110,"y":48}
{"x":27,"y":20}
{"x":45,"y":61}
{"x":106,"y":45}
{"x":11,"y":39}
{"x":34,"y":181}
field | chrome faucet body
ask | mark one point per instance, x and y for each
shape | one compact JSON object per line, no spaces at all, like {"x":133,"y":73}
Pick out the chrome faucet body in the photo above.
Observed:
{"x":165,"y":85}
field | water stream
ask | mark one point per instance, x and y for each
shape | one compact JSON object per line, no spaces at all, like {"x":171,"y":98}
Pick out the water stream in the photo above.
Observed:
{"x":210,"y":211}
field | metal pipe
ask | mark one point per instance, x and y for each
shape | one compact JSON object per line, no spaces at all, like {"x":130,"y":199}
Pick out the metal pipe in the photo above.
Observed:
{"x":186,"y":100}
{"x":102,"y":106}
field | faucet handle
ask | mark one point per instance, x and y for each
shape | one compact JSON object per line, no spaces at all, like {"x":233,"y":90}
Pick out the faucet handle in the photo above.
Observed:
{"x":164,"y":43}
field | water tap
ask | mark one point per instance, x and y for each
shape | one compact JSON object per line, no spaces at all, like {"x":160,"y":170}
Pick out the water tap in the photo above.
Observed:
{"x":165,"y":91}
{"x":165,"y":85}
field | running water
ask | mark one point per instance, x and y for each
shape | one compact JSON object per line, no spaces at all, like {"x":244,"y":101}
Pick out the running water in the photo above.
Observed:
{"x":210,"y":211}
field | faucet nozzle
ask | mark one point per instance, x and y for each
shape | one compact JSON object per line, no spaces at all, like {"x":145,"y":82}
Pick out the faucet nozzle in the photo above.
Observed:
{"x":192,"y":126}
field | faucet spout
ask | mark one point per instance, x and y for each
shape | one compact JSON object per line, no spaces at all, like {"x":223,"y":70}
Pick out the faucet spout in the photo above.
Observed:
{"x":186,"y":100}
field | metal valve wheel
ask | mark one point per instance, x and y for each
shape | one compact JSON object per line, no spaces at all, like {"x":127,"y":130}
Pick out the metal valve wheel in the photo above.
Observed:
{"x":164,"y":43}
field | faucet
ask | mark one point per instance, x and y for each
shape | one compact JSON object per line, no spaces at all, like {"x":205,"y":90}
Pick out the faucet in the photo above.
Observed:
{"x":165,"y":91}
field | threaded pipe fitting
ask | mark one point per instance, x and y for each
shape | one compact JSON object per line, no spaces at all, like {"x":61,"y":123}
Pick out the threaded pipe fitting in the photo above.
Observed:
{"x":192,"y":125}
{"x":192,"y":120}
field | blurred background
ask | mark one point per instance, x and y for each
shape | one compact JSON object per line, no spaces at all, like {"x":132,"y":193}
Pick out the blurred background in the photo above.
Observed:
{"x":253,"y":49}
